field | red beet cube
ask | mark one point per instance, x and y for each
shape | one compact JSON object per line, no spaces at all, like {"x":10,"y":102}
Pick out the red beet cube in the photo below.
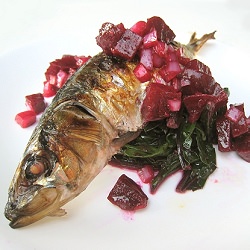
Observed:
{"x":80,"y":60}
{"x":146,"y":173}
{"x":197,"y":82}
{"x":242,"y":146}
{"x":109,"y":35}
{"x":61,"y":78}
{"x":160,"y":48}
{"x":158,"y":61}
{"x":240,"y":127}
{"x":155,"y":106}
{"x":164,"y":33}
{"x":169,"y":71}
{"x":224,"y":134}
{"x":234,"y":114}
{"x":127,"y":195}
{"x":198,"y":66}
{"x":26,"y":118}
{"x":142,"y":74}
{"x":174,"y":101}
{"x":128,"y":45}
{"x":139,"y":28}
{"x":195,"y":104}
{"x":150,"y":39}
{"x":146,"y":58}
{"x":49,"y":90}
{"x":35,"y":102}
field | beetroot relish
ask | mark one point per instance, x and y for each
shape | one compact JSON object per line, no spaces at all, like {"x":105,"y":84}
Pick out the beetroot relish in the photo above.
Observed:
{"x":56,"y":76}
{"x":127,"y":195}
{"x":26,"y":118}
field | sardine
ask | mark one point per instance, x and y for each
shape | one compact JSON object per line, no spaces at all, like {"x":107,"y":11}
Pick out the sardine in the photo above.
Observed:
{"x":92,"y":116}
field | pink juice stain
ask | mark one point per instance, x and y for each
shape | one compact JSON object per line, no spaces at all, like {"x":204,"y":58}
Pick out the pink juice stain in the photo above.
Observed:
{"x":128,"y":215}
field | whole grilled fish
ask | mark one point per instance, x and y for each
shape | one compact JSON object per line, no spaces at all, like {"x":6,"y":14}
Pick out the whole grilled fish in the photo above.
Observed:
{"x":89,"y":120}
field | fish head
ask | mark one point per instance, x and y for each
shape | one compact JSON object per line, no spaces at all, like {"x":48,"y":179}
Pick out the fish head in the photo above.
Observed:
{"x":39,"y":188}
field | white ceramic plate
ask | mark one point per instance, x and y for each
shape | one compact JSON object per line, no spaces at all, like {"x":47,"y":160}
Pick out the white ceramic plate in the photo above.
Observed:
{"x":216,"y":217}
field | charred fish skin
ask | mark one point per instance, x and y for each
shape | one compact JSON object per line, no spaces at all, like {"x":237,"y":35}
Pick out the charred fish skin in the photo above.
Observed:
{"x":91,"y":117}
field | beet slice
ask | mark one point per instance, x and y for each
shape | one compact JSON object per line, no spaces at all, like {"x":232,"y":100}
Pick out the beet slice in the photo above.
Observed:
{"x":109,"y":35}
{"x":155,"y":105}
{"x":49,"y":90}
{"x":242,"y":146}
{"x":194,"y":81}
{"x":195,"y":104}
{"x":224,"y":134}
{"x":139,"y":28}
{"x":164,"y":33}
{"x":35,"y":102}
{"x":234,"y":114}
{"x":142,"y":73}
{"x":127,"y":195}
{"x":146,"y":173}
{"x":150,"y":39}
{"x":128,"y":45}
{"x":198,"y":66}
{"x":26,"y":118}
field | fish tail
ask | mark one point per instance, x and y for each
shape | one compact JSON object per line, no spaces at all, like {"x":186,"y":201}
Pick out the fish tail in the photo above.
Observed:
{"x":195,"y":43}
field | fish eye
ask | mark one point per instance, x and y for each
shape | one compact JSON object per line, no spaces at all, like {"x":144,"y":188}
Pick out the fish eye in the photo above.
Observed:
{"x":35,"y":167}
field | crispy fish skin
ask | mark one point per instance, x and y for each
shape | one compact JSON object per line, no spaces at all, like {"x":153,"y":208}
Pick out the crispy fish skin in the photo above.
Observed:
{"x":89,"y":120}
{"x":91,"y":117}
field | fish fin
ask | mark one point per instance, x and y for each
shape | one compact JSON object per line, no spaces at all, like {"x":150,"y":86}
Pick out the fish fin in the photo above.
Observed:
{"x":195,"y":43}
{"x":58,"y":213}
{"x":117,"y":143}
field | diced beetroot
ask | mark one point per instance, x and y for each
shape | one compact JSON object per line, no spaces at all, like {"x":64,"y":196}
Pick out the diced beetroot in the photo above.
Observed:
{"x":248,"y":122}
{"x":240,"y":106}
{"x":146,"y":173}
{"x":224,"y":134}
{"x":142,"y":74}
{"x":35,"y":102}
{"x":157,"y":78}
{"x":155,"y":105}
{"x":128,"y":45}
{"x":242,"y":146}
{"x":169,"y":71}
{"x":164,"y":33}
{"x":139,"y":28}
{"x":174,"y":101}
{"x":221,"y":96}
{"x":195,"y":104}
{"x":49,"y":90}
{"x":240,"y":127}
{"x":174,"y":120}
{"x":197,"y":82}
{"x":127,"y":195}
{"x":234,"y":114}
{"x":109,"y":35}
{"x":176,"y":83}
{"x":80,"y":60}
{"x":61,"y":69}
{"x":26,"y":118}
{"x":198,"y":66}
{"x":61,"y":78}
{"x":158,"y":61}
{"x":65,"y":63}
{"x":160,"y":48}
{"x":182,"y":59}
{"x":146,"y":58}
{"x":150,"y":39}
{"x":171,"y":55}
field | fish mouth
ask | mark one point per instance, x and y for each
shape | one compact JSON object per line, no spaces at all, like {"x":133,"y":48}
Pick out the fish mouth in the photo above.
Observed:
{"x":43,"y":203}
